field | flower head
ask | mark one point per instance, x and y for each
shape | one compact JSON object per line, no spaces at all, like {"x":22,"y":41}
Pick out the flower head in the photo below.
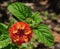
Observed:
{"x":20,"y":32}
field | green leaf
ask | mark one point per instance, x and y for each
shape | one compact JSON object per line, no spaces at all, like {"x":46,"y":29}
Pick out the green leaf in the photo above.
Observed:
{"x":26,"y":45}
{"x":31,"y":22}
{"x":4,"y":39}
{"x":11,"y":22}
{"x":3,"y":31}
{"x":5,"y":43}
{"x":34,"y":20}
{"x":4,"y":35}
{"x":19,"y":10}
{"x":11,"y":46}
{"x":36,"y":17}
{"x":44,"y":35}
{"x":3,"y":27}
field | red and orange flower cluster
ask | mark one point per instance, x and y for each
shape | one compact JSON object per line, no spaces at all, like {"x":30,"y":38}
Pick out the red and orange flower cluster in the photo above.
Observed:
{"x":20,"y":32}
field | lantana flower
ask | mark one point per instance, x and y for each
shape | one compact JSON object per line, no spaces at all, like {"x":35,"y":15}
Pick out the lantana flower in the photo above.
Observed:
{"x":20,"y":32}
